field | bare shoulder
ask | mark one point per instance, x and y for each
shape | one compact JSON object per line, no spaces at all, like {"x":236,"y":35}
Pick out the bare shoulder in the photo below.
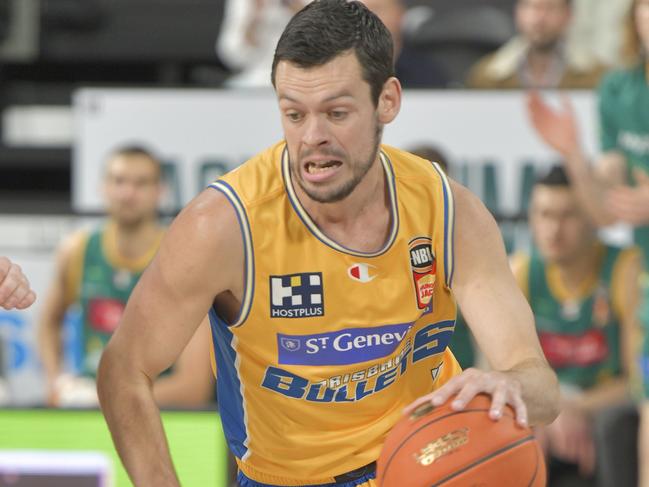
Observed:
{"x":479,"y":248}
{"x":471,"y":215}
{"x":204,"y":242}
{"x":72,"y":245}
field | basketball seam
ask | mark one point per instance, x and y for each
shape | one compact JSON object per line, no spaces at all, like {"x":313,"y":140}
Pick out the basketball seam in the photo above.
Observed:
{"x":483,"y":459}
{"x":405,"y":440}
{"x":536,"y":467}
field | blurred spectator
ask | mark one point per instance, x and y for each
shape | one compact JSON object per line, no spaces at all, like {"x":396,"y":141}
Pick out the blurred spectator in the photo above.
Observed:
{"x":597,"y":31}
{"x":98,"y":270}
{"x":413,"y":68}
{"x":15,"y":291}
{"x":582,"y":293}
{"x":537,"y":57}
{"x":246,"y":44}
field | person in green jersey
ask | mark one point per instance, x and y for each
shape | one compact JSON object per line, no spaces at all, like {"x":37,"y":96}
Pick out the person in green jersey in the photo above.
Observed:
{"x":97,"y":271}
{"x":617,"y":188}
{"x":580,"y":291}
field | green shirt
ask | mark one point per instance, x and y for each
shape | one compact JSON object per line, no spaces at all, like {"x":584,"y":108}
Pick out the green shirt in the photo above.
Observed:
{"x":624,"y":126}
{"x":579,"y":334}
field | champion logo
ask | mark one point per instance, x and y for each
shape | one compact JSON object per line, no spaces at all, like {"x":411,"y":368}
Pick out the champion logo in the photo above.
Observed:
{"x":362,"y":272}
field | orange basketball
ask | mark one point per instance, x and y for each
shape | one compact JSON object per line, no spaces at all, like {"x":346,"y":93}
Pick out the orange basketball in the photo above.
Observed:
{"x":438,"y":446}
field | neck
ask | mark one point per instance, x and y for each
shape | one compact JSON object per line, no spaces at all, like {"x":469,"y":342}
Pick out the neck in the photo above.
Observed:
{"x":361,"y":221}
{"x":135,"y":240}
{"x":576,"y":270}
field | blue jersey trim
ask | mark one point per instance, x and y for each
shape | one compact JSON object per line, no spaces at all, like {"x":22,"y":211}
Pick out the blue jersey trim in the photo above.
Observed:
{"x":228,"y":386}
{"x":244,"y":481}
{"x":449,"y":228}
{"x":249,"y":258}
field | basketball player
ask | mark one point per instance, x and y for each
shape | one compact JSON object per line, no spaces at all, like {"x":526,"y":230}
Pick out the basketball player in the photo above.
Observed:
{"x":330,"y":270}
{"x":15,"y":291}
{"x":583,"y":294}
{"x":97,"y":270}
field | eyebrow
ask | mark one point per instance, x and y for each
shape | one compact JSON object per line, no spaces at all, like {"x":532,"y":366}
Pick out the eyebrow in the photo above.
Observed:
{"x":342,"y":94}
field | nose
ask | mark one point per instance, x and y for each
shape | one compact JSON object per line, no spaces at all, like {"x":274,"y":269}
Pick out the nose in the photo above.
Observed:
{"x":315,"y":132}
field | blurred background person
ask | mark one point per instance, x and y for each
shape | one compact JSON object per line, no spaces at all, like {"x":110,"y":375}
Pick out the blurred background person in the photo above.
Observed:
{"x":617,"y":187}
{"x":250,"y":30}
{"x":413,"y":68}
{"x":597,"y":31}
{"x":582,"y":293}
{"x":538,"y":56}
{"x":97,"y":271}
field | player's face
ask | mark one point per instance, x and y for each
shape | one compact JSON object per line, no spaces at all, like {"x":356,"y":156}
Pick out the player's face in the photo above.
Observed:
{"x":560,"y":229}
{"x":132,"y":189}
{"x":332,"y":127}
{"x":642,"y":21}
{"x":542,"y":22}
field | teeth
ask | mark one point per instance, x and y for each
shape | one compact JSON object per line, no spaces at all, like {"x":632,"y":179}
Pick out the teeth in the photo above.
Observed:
{"x":313,"y":168}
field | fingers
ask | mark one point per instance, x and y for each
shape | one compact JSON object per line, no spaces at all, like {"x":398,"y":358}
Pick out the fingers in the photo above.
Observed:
{"x":471,"y":382}
{"x":15,"y":290}
{"x":27,"y":301}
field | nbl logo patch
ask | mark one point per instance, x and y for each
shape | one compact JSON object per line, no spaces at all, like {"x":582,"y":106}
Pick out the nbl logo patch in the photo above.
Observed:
{"x":424,"y":270}
{"x":296,"y":295}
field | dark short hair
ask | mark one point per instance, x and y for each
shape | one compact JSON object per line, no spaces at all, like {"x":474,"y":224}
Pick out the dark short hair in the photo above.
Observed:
{"x":136,"y":150}
{"x":325,"y":29}
{"x":556,"y":177}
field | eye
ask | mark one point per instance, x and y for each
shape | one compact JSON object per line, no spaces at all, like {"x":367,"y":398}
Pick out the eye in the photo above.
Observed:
{"x":293,"y":116}
{"x":337,"y":114}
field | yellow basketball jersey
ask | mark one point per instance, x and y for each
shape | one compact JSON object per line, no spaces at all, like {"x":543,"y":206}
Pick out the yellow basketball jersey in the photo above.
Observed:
{"x":331,"y":344}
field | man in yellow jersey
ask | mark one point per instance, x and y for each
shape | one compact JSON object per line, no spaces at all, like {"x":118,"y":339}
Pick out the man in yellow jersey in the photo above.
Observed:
{"x":329,"y":265}
{"x":97,"y":271}
{"x":15,"y":291}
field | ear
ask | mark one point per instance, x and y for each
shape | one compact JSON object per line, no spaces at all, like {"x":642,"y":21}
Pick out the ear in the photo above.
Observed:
{"x":389,"y":101}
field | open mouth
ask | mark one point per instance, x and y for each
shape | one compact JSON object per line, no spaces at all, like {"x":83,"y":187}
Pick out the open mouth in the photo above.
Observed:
{"x":322,"y":166}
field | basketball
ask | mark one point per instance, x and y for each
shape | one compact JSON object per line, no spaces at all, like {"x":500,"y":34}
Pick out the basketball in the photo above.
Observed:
{"x":437,"y":446}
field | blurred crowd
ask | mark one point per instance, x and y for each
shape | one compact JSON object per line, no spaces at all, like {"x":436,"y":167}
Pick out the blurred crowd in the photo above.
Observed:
{"x":590,"y":299}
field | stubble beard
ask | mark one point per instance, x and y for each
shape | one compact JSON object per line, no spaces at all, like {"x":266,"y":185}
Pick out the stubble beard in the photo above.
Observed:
{"x":359,"y":171}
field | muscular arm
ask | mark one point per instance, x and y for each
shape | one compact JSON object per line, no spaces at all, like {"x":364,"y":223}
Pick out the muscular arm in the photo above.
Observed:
{"x":200,"y":257}
{"x":57,"y":300}
{"x":496,"y":310}
{"x":191,"y":384}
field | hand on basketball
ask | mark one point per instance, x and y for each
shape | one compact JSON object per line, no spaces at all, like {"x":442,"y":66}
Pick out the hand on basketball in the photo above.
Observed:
{"x":15,"y":291}
{"x":502,"y":388}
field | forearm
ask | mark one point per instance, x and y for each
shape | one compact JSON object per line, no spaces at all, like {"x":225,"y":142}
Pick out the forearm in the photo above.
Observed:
{"x":133,"y":418}
{"x":540,"y":390}
{"x":49,"y":345}
{"x":597,"y":398}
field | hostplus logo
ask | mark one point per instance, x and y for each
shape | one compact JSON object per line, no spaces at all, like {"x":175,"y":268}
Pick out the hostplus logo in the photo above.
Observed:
{"x":296,"y":296}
